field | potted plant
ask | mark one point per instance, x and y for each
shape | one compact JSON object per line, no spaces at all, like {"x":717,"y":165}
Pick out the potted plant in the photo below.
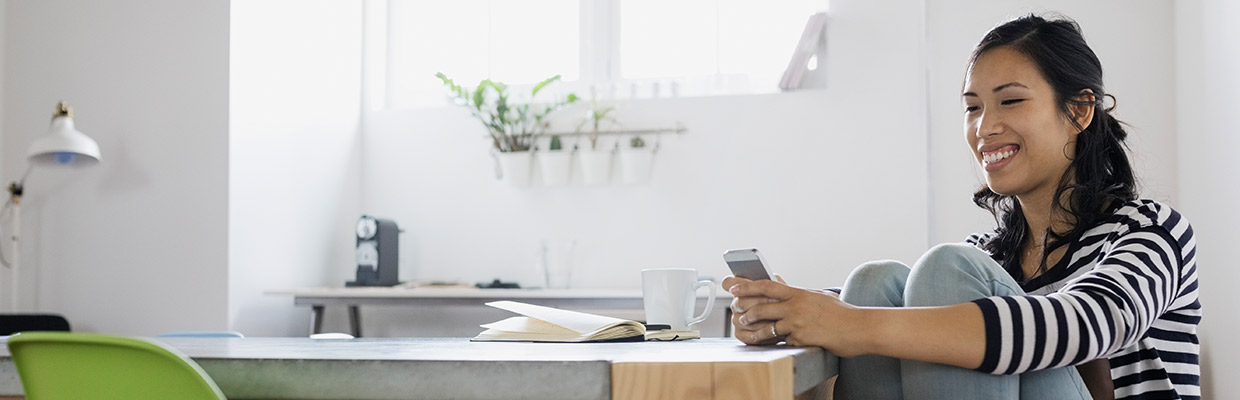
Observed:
{"x":636,"y":162}
{"x":512,"y":127}
{"x":555,"y":163}
{"x":595,"y":162}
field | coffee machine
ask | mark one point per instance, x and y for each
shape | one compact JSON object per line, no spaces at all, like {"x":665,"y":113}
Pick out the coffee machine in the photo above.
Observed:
{"x":377,"y":252}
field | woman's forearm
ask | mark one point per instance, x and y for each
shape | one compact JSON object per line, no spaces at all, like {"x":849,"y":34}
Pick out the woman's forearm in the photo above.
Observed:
{"x":953,"y":335}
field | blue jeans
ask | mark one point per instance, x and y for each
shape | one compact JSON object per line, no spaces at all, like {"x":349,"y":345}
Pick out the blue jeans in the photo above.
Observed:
{"x":947,"y":274}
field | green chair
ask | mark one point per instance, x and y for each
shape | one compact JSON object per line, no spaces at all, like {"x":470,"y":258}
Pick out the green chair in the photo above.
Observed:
{"x":59,"y":365}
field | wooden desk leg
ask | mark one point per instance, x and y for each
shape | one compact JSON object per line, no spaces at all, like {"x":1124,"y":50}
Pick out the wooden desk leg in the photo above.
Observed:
{"x":754,"y":380}
{"x":661,"y":380}
{"x":316,"y":319}
{"x":355,"y":321}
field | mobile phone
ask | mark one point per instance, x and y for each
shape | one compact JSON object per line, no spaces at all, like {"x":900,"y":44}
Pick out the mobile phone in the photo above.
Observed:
{"x":748,"y":264}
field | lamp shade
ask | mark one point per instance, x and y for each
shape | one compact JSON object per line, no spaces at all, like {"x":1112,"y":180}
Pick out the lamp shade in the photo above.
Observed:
{"x":63,"y":145}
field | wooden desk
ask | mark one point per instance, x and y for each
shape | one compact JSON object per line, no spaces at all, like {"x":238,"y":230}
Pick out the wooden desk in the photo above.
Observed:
{"x":578,"y":299}
{"x":300,"y":368}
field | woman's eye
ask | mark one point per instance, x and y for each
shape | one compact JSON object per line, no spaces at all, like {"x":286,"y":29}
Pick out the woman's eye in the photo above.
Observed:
{"x":971,"y":108}
{"x":1012,"y":101}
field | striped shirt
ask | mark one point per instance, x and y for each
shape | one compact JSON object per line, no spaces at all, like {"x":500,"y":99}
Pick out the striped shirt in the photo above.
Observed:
{"x":1126,"y":290}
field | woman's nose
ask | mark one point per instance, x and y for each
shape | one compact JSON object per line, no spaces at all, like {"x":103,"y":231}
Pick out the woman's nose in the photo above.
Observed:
{"x":989,"y":124}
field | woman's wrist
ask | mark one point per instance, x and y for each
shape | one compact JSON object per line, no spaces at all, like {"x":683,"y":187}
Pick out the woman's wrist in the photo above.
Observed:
{"x":857,"y":332}
{"x":868,"y":335}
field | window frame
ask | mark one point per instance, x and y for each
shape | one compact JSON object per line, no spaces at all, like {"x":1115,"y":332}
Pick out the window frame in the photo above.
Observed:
{"x":599,"y":63}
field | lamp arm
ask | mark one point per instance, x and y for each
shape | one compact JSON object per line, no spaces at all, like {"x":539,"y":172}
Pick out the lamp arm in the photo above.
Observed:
{"x":10,"y":204}
{"x":15,"y":199}
{"x":14,"y":204}
{"x":16,"y":188}
{"x":12,"y":265}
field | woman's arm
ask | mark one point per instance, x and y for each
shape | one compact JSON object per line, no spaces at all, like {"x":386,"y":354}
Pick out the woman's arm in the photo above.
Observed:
{"x":952,"y":335}
{"x":1097,"y":377}
{"x":1106,"y":310}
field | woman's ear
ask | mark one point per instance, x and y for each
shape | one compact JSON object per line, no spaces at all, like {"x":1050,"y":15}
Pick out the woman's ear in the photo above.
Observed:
{"x":1083,"y":108}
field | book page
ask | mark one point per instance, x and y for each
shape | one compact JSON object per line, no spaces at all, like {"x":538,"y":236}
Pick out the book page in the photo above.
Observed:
{"x":577,"y":321}
{"x":530,"y":325}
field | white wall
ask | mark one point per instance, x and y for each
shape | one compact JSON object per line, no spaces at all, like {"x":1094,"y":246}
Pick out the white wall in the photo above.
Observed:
{"x":213,"y":189}
{"x":294,"y":102}
{"x":138,"y":244}
{"x":1207,"y":62}
{"x":3,"y":27}
{"x":776,"y":172}
{"x":1141,"y":80}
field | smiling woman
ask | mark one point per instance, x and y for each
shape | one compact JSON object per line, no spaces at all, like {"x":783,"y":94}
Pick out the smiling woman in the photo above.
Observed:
{"x":1082,"y":291}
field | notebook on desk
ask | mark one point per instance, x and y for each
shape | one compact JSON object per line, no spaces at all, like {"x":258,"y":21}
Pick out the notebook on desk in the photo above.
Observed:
{"x":668,"y":335}
{"x":546,"y":324}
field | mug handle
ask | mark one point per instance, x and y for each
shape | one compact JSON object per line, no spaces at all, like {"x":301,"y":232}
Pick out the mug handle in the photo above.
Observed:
{"x":710,"y":301}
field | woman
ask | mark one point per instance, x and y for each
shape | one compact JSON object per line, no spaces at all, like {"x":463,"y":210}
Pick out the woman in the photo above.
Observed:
{"x":1081,"y":279}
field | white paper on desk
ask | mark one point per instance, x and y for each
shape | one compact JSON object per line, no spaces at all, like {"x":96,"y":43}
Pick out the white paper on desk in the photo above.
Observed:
{"x":527,"y":324}
{"x":579,"y":322}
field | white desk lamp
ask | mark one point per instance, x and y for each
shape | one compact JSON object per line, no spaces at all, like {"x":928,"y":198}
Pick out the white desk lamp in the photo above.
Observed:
{"x":63,"y":146}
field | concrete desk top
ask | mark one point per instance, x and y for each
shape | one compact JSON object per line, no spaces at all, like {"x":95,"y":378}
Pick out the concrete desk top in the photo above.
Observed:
{"x":388,"y":368}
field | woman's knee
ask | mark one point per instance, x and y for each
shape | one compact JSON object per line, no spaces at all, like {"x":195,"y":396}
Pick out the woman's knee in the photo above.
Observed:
{"x":947,"y":255}
{"x":876,"y":284}
{"x":954,"y":273}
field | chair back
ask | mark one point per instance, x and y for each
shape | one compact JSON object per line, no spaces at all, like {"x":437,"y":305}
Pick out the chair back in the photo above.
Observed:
{"x":13,"y":323}
{"x":58,"y":365}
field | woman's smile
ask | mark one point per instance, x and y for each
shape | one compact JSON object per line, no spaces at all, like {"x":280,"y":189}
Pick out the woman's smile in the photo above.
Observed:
{"x":995,"y":159}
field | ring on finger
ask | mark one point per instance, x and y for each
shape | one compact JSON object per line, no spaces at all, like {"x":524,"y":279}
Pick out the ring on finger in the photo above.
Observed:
{"x":773,"y":333}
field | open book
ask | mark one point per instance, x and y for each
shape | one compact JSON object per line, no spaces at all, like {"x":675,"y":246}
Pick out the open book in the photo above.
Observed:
{"x":546,"y":324}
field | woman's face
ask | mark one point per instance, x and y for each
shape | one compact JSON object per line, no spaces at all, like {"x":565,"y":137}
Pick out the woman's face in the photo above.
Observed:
{"x":1014,"y":127}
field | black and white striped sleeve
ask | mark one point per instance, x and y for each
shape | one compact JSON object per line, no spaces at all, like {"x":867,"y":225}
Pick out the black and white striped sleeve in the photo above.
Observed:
{"x":1096,"y":315}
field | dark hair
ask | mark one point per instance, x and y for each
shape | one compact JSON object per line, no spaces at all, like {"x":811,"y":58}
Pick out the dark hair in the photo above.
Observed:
{"x":1099,"y":176}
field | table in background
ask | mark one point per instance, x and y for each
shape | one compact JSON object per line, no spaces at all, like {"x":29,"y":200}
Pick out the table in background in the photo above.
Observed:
{"x":388,"y":368}
{"x":571,"y":299}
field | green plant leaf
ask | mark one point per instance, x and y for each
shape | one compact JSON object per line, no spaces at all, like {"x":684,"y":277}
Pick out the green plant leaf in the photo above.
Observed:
{"x":500,"y":87}
{"x":501,"y":109}
{"x":545,"y":82}
{"x":480,"y":94}
{"x":457,"y":91}
{"x":512,"y":126}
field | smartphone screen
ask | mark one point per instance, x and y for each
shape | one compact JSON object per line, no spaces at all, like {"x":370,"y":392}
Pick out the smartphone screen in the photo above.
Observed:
{"x":747,"y":263}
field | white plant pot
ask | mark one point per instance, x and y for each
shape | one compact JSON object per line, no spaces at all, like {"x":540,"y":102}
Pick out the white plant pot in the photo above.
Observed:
{"x":595,"y":166}
{"x":635,"y":165}
{"x":515,"y":167}
{"x":555,"y":166}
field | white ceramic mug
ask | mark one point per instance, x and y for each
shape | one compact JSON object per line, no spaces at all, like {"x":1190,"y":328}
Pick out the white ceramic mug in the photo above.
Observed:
{"x":669,"y":295}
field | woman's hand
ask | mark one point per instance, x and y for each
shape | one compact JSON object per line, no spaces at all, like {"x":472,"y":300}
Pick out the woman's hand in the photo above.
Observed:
{"x":756,"y":332}
{"x":799,"y":316}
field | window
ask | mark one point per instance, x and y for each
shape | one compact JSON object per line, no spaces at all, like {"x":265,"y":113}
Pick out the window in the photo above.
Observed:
{"x":621,"y":48}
